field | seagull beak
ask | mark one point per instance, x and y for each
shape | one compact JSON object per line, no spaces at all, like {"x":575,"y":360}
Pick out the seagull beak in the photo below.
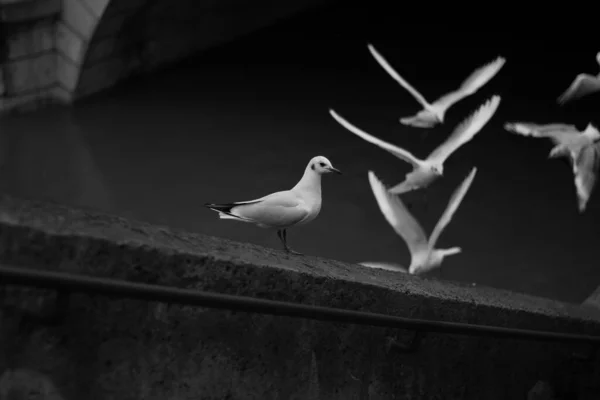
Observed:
{"x":337,"y":171}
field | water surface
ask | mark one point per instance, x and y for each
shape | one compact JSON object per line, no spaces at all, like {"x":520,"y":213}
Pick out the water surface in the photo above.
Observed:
{"x":241,"y":121}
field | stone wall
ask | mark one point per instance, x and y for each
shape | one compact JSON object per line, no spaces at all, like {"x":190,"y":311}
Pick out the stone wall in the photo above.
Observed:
{"x":101,"y":347}
{"x":65,"y":50}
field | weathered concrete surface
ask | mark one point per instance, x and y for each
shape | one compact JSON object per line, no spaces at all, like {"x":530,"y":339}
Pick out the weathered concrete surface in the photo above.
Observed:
{"x":65,"y":50}
{"x":123,"y":349}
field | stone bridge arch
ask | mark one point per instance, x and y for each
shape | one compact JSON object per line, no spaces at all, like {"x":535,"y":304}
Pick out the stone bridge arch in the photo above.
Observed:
{"x":75,"y":48}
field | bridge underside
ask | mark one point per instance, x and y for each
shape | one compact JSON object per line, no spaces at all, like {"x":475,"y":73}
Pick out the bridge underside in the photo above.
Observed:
{"x":64,"y":50}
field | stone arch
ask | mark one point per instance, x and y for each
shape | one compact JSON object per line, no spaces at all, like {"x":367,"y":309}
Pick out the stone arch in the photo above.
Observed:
{"x":101,"y":42}
{"x":64,"y":50}
{"x":82,"y":44}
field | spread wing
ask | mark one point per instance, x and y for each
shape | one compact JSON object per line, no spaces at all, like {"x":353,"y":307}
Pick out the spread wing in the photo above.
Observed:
{"x":396,"y":76}
{"x":582,"y":85}
{"x":279,"y":209}
{"x":395,"y":150}
{"x":453,"y":204}
{"x":466,"y":130}
{"x":476,"y":80}
{"x":398,"y":217}
{"x":558,"y":133}
{"x":585,"y":169}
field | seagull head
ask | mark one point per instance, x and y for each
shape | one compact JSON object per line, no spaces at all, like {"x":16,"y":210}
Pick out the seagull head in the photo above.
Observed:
{"x":321,"y":165}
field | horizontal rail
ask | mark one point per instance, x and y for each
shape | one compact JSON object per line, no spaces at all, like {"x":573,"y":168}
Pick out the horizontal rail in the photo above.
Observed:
{"x":86,"y":284}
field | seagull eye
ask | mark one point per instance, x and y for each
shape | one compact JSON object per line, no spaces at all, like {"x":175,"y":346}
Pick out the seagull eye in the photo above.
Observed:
{"x":322,"y":164}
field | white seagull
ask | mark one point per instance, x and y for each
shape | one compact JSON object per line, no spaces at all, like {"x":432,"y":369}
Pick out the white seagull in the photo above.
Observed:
{"x":426,"y":171}
{"x":423,"y":254}
{"x":581,"y":148}
{"x":582,"y":85}
{"x":282,"y":210}
{"x":433,"y":114}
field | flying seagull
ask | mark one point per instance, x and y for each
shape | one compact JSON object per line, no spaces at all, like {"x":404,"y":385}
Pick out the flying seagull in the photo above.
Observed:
{"x":433,"y":114}
{"x":282,"y":210}
{"x":426,"y":171}
{"x":582,"y":85}
{"x":582,"y":149}
{"x":423,"y":254}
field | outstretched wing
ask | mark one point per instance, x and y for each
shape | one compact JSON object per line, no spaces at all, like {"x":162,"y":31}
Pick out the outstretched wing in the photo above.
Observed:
{"x":453,"y":204}
{"x":396,"y":76}
{"x":585,"y":169}
{"x":466,"y":130}
{"x":398,"y":217}
{"x":558,"y":133}
{"x":395,"y":150}
{"x":476,"y":80}
{"x":582,"y":85}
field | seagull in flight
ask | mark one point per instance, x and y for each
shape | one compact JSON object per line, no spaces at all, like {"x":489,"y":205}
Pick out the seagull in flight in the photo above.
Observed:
{"x":582,"y":149}
{"x":423,"y":255}
{"x":426,"y":171}
{"x":433,"y":113}
{"x":282,"y":210}
{"x":582,"y":85}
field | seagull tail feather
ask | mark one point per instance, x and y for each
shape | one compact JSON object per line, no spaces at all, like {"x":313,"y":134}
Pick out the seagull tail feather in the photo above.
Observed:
{"x":224,"y":211}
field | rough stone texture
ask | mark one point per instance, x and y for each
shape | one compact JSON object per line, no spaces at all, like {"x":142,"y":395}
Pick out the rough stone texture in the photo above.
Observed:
{"x":64,"y":50}
{"x":124,"y":349}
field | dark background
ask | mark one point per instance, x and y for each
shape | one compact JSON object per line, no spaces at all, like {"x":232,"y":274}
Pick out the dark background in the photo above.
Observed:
{"x":241,"y":121}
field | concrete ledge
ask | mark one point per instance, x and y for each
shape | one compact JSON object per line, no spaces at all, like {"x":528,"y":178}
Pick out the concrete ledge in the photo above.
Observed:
{"x":131,"y":348}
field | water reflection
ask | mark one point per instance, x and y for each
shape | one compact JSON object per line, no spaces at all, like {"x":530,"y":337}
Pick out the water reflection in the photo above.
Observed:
{"x":47,"y":155}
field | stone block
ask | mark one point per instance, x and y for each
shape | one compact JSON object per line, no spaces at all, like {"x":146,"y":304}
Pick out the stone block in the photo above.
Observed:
{"x":21,"y":11}
{"x":30,"y":39}
{"x":61,"y":94}
{"x":27,"y":102}
{"x":79,"y":17}
{"x":67,"y":72}
{"x":69,"y":44}
{"x":31,"y":73}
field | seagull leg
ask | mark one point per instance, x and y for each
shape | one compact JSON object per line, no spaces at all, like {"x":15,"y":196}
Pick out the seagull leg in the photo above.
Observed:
{"x":287,"y":248}
{"x":280,"y":236}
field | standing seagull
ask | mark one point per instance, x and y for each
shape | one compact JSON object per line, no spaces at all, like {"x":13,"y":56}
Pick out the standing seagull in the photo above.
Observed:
{"x":433,"y":114}
{"x":423,"y":254}
{"x":582,"y":85}
{"x":581,"y":148}
{"x":282,"y":210}
{"x":426,"y":171}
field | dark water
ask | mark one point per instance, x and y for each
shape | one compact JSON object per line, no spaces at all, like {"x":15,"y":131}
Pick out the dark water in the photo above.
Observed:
{"x":241,"y":121}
